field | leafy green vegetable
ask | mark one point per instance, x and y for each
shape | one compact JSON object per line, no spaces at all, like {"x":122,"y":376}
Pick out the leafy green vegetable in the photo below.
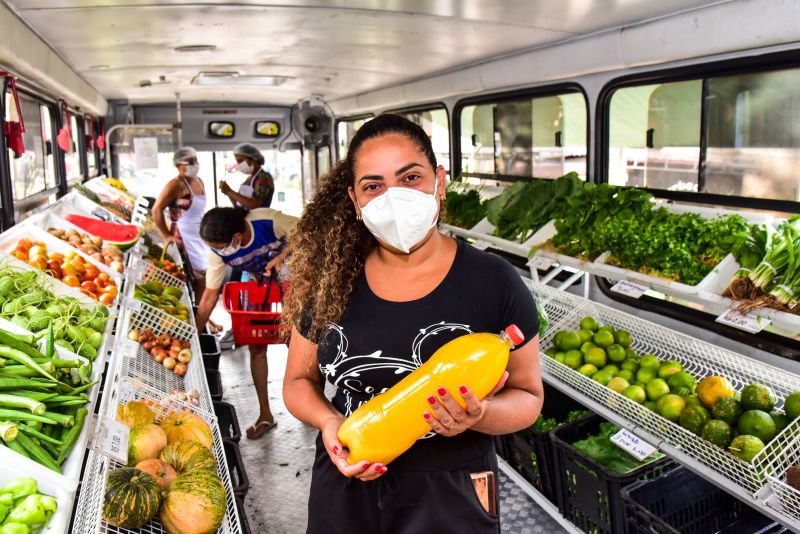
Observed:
{"x":463,"y":209}
{"x":601,"y":449}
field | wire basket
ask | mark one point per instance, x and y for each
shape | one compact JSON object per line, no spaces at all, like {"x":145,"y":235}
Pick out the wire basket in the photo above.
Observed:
{"x":557,"y":305}
{"x":787,"y":498}
{"x":90,"y":504}
{"x":698,"y":358}
{"x":148,"y":272}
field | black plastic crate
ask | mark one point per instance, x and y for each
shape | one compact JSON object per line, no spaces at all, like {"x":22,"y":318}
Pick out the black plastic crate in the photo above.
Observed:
{"x":239,"y":480}
{"x":681,"y":502}
{"x":590,"y":495}
{"x":532,"y":454}
{"x":242,"y":516}
{"x":228,"y":422}
{"x":214,"y":378}
{"x":209,"y":346}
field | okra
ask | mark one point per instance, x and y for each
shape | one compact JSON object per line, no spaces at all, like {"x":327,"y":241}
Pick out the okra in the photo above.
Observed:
{"x":72,"y":434}
{"x":37,"y":453}
{"x":32,"y":432}
{"x":16,"y":415}
{"x":13,"y":401}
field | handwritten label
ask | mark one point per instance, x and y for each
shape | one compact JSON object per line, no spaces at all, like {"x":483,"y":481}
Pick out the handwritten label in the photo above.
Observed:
{"x":629,"y":289}
{"x":480,"y":244}
{"x":633,"y":445}
{"x":749,"y":323}
{"x":111,"y":439}
{"x":541,"y":263}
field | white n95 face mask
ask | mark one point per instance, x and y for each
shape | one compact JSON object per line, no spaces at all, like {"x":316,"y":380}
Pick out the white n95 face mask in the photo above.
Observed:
{"x":401,"y":217}
{"x":245,"y":168}
{"x":192,"y":170}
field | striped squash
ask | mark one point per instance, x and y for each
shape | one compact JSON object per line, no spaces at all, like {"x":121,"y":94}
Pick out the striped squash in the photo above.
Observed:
{"x":194,"y":504}
{"x":188,"y":456}
{"x":132,"y":498}
{"x":181,"y":426}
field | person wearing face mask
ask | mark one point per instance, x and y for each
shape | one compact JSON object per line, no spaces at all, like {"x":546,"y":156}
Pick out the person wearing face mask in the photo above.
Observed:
{"x":376,"y":290}
{"x":185,"y":198}
{"x":257,"y":190}
{"x":255,"y":243}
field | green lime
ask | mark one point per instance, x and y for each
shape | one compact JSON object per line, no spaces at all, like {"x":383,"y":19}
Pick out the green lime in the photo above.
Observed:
{"x":670,"y":406}
{"x":570,"y":341}
{"x":559,"y":357}
{"x":587,"y":369}
{"x":602,"y":377}
{"x":669,"y":368}
{"x":630,"y":365}
{"x":649,"y":361}
{"x":693,"y":399}
{"x":631,"y":354}
{"x":585,"y":335}
{"x":717,"y":432}
{"x":728,"y":409}
{"x":618,"y":384}
{"x":586,"y":346}
{"x":681,"y":391}
{"x":694,"y":417}
{"x":616,"y":353}
{"x":603,"y":339}
{"x":596,"y":356}
{"x":682,"y":379}
{"x":781,"y":421}
{"x":637,"y":383}
{"x":646,"y":375}
{"x":650,"y":405}
{"x":627,"y":375}
{"x":635,"y":393}
{"x":745,"y":447}
{"x":606,"y":328}
{"x":573,"y":358}
{"x":792,"y":405}
{"x":623,"y":338}
{"x":589,"y":323}
{"x":552,"y":351}
{"x":656,"y":389}
{"x":757,"y":423}
{"x":557,"y":337}
{"x":613,"y":369}
{"x":758,"y":397}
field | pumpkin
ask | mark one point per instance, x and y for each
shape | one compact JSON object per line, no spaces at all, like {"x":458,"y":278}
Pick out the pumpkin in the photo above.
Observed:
{"x":145,"y":443}
{"x":188,"y":456}
{"x":135,"y":413}
{"x":131,"y":499}
{"x":182,"y":426}
{"x":194,"y":504}
{"x":158,"y":469}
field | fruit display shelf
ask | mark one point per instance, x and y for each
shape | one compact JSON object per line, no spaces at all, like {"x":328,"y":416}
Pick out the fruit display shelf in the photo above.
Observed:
{"x":88,"y":517}
{"x":747,"y":481}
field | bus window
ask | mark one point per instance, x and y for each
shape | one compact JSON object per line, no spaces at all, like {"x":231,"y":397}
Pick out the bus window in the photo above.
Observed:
{"x":542,"y":137}
{"x":72,"y":159}
{"x":47,"y":139}
{"x":32,"y":172}
{"x":91,"y":162}
{"x":753,"y":139}
{"x":436,"y":124}
{"x":345,"y":130}
{"x":655,"y":136}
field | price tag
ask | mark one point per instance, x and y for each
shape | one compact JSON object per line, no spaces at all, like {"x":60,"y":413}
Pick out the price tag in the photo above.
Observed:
{"x":629,"y":289}
{"x":129,"y":348}
{"x":541,"y":263}
{"x":111,"y":439}
{"x":480,"y":244}
{"x":133,"y":304}
{"x":633,"y":445}
{"x":749,"y":323}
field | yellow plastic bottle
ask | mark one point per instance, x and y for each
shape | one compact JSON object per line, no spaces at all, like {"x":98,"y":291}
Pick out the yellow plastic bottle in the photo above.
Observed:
{"x":388,"y":425}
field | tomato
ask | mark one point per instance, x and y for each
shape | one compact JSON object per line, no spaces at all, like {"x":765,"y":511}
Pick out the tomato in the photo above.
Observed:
{"x":87,"y":293}
{"x":20,"y":255}
{"x":39,"y":262}
{"x":106,"y":299}
{"x":105,"y":277}
{"x":111,"y":289}
{"x":89,"y":286}
{"x":92,"y":272}
{"x":100,"y":282}
{"x":57,"y":256}
{"x":71,"y":280}
{"x":36,"y":250}
{"x":25,"y":244}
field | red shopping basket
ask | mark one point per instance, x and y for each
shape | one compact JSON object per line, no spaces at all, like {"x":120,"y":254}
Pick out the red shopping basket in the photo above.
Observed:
{"x":255,"y":311}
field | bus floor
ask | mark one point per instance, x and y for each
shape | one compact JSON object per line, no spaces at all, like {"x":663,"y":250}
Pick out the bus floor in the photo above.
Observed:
{"x":278,"y":465}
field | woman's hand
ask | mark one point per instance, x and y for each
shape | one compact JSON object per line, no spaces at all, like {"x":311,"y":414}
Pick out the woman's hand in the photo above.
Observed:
{"x":448,"y":418}
{"x":363,"y":471}
{"x":173,"y":239}
{"x":225,"y":188}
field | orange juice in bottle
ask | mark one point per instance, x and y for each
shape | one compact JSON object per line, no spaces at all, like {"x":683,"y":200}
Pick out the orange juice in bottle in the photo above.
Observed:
{"x":388,"y":425}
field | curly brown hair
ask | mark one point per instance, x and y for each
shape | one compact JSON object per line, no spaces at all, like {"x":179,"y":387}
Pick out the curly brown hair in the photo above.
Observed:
{"x":329,"y":245}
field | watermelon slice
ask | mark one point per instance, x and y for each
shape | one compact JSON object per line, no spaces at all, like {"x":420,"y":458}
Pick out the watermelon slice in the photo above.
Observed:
{"x":123,"y":236}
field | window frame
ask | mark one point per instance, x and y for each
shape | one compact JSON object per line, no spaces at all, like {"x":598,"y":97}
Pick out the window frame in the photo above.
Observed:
{"x":508,"y":96}
{"x":430,"y":106}
{"x":701,"y":71}
{"x":348,"y":118}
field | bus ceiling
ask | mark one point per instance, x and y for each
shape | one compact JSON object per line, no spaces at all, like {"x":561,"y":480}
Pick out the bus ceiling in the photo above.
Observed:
{"x":348,"y":52}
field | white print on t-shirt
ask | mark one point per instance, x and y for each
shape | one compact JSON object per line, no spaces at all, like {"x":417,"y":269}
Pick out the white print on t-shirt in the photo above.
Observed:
{"x":351,"y":372}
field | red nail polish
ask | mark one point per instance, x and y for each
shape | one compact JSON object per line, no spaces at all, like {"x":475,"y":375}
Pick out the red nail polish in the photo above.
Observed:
{"x":462,"y":389}
{"x":335,"y":449}
{"x":382,"y":470}
{"x":442,"y":392}
{"x":365,"y":465}
{"x":426,"y":415}
{"x":431,"y":400}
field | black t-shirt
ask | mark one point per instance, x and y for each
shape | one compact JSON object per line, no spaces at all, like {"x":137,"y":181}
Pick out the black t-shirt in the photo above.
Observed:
{"x":379,"y":342}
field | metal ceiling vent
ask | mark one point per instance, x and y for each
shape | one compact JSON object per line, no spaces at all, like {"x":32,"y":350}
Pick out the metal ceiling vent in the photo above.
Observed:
{"x":312,"y":120}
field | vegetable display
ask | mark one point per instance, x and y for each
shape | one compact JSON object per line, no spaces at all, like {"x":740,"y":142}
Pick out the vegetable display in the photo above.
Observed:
{"x":120,"y":208}
{"x":42,"y":399}
{"x":166,"y":298}
{"x":601,"y":449}
{"x":23,"y":509}
{"x":174,"y":354}
{"x":123,"y":236}
{"x":24,"y":303}
{"x":769,"y":274}
{"x":92,"y":246}
{"x":463,"y":208}
{"x":70,"y":268}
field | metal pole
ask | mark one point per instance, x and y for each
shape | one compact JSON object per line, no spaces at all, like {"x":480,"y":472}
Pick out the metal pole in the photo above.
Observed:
{"x":179,"y":119}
